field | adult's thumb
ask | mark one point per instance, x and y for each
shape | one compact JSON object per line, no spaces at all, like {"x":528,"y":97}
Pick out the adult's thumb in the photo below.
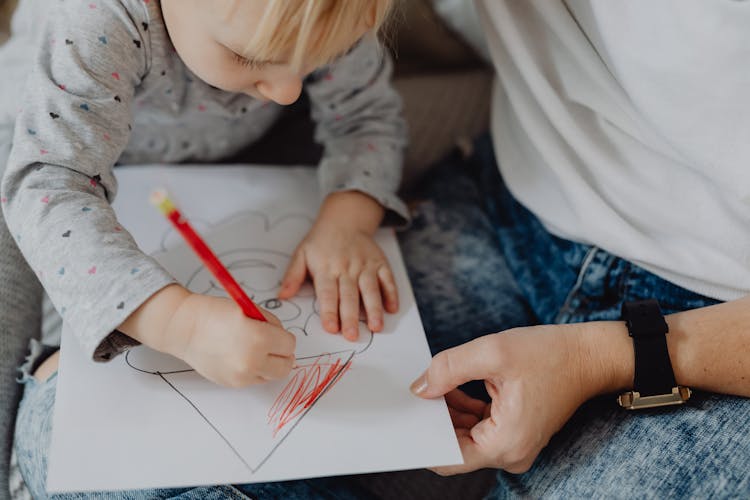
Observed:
{"x":456,"y":366}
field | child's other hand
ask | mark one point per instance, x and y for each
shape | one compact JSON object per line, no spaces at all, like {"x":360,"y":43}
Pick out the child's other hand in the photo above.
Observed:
{"x":346,"y":265}
{"x":213,"y":336}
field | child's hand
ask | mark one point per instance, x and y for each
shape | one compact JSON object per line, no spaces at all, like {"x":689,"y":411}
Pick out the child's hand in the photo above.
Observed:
{"x":345,"y":264}
{"x":213,"y":336}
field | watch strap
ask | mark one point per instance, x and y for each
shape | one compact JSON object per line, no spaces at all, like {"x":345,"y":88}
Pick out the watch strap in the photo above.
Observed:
{"x":647,"y":327}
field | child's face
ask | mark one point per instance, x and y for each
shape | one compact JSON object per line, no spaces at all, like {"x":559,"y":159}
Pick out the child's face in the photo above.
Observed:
{"x":210,"y":37}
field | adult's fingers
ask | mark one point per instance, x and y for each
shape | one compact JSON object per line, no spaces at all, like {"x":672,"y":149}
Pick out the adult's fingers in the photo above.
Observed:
{"x":462,"y":420}
{"x":294,"y":277}
{"x":475,"y":360}
{"x":369,"y":288}
{"x":461,"y":401}
{"x":473,"y":454}
{"x":349,"y":307}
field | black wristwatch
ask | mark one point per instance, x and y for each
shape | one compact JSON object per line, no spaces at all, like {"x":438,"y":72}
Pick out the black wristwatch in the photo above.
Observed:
{"x":654,"y":383}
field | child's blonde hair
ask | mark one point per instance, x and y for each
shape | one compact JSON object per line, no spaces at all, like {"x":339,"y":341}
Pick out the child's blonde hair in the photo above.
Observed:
{"x":313,"y":32}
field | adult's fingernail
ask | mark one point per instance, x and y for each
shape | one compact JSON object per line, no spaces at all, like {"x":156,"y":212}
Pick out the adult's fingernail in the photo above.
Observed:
{"x":419,"y":386}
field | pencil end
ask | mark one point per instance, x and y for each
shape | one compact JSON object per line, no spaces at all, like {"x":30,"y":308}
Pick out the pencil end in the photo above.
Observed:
{"x":160,"y":199}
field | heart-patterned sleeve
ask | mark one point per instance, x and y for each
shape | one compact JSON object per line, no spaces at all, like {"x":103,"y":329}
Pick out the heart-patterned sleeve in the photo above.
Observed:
{"x":59,"y":183}
{"x":358,"y":118}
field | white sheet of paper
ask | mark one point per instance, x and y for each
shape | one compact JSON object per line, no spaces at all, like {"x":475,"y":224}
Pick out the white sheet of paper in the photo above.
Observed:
{"x":146,"y":420}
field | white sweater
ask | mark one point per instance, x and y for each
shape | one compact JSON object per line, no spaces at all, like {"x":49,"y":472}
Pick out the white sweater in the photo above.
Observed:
{"x":626,"y":125}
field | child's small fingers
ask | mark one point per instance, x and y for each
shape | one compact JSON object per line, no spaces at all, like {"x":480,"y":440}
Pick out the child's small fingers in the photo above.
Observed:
{"x":236,"y":381}
{"x":349,"y":307}
{"x":276,"y":367}
{"x":271,"y":318}
{"x":327,"y":291}
{"x":388,"y":286}
{"x":275,"y":341}
{"x":369,"y":288}
{"x":294,"y":276}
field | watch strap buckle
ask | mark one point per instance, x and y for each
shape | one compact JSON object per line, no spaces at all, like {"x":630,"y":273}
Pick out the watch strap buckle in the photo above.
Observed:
{"x":632,"y":400}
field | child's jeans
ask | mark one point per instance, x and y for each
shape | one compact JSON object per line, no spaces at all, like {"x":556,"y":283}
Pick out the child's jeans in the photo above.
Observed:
{"x":481,"y":263}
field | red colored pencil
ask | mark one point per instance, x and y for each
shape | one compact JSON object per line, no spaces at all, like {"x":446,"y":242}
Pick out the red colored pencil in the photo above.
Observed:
{"x":168,"y":208}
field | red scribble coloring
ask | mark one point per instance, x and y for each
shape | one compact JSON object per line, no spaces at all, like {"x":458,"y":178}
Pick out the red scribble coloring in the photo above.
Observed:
{"x":303,"y":390}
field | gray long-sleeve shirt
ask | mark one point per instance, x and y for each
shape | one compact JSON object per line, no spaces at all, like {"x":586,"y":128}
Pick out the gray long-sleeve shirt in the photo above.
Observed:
{"x":106,"y":86}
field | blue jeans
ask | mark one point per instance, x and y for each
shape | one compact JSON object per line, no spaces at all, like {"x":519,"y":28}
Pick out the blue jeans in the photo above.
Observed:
{"x":481,"y":263}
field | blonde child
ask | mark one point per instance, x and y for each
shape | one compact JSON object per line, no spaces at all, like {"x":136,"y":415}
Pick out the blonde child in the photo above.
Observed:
{"x":147,"y":81}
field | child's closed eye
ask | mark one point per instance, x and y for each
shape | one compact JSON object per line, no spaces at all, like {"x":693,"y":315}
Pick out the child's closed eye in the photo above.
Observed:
{"x":249,"y":63}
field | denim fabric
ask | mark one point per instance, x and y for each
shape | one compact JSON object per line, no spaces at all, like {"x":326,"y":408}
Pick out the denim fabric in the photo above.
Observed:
{"x":482,"y":263}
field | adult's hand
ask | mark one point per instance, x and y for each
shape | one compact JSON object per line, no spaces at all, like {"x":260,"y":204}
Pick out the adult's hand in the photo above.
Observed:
{"x":536,"y":376}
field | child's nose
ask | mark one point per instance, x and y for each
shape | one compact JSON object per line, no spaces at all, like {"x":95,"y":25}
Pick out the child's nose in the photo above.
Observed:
{"x":283,"y":91}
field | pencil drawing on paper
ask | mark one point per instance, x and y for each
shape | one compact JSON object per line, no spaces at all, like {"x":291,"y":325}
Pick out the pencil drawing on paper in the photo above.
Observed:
{"x":322,"y":359}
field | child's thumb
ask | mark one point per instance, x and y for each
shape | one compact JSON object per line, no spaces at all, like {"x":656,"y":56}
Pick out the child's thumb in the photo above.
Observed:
{"x":294,"y":277}
{"x":271,"y":318}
